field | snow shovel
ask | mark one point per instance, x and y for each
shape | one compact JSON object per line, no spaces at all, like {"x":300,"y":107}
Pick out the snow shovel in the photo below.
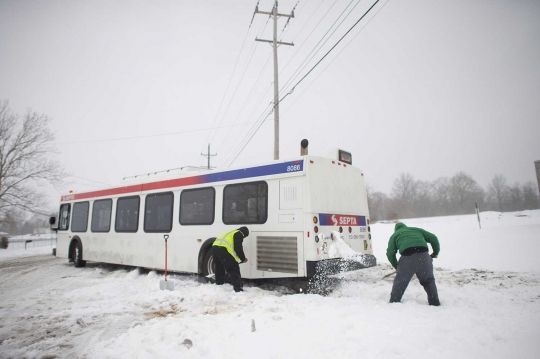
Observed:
{"x":164,"y":284}
{"x":389,"y":274}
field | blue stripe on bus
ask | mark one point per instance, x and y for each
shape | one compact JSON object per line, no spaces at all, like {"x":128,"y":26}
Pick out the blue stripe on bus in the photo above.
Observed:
{"x":273,"y":169}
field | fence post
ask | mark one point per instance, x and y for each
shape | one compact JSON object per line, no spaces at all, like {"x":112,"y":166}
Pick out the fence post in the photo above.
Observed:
{"x":478,"y":215}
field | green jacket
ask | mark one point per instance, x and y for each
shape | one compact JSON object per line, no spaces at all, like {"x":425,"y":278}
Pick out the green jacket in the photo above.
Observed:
{"x":406,"y":237}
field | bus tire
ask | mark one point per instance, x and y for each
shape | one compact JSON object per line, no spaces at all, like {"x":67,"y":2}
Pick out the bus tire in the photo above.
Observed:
{"x":208,"y":266}
{"x":76,"y":255}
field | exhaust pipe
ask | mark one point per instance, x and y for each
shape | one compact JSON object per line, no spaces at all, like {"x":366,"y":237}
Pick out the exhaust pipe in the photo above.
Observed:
{"x":304,"y":147}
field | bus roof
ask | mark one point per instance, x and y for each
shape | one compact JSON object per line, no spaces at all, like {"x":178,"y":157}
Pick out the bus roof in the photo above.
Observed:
{"x":175,"y":178}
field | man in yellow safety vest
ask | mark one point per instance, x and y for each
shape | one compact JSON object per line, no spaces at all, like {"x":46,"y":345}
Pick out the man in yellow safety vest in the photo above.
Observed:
{"x":228,"y":252}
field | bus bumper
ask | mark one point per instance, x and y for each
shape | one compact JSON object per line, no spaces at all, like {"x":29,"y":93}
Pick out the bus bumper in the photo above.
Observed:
{"x":339,"y":265}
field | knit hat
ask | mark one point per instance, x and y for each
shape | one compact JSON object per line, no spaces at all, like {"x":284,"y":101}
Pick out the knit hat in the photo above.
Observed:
{"x":244,"y":231}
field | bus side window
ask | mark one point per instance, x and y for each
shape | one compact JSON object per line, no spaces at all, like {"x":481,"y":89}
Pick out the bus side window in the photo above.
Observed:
{"x":101,"y":215}
{"x":245,"y":203}
{"x":79,"y":219}
{"x":64,"y":217}
{"x":197,"y":206}
{"x":127,"y":214}
{"x":158,"y":212}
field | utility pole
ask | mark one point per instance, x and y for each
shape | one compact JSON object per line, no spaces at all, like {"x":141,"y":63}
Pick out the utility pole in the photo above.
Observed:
{"x":274,"y":14}
{"x":208,"y":155}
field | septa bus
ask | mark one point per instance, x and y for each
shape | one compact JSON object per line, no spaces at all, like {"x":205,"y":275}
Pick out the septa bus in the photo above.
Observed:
{"x":290,"y":207}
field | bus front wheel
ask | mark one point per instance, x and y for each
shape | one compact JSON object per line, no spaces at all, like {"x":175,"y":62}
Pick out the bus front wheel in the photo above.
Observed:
{"x":76,"y":255}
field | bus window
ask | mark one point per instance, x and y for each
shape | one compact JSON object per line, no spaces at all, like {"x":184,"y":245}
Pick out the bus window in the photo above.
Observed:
{"x":101,"y":215}
{"x":127,"y":214}
{"x":245,"y":203}
{"x":158,"y":212}
{"x":63,"y":224}
{"x":197,"y":206}
{"x":79,"y":219}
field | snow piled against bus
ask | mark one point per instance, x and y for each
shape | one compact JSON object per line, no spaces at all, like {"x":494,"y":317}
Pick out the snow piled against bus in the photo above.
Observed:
{"x":488,"y":280}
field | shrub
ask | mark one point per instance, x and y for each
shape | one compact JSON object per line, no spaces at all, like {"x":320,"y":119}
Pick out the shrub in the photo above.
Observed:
{"x":4,"y":243}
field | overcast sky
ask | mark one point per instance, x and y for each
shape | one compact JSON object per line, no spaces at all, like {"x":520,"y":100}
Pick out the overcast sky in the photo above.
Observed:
{"x":419,"y":86}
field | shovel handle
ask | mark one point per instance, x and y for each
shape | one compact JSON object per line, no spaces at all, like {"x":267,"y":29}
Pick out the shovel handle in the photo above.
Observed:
{"x":166,"y":236}
{"x":389,"y":274}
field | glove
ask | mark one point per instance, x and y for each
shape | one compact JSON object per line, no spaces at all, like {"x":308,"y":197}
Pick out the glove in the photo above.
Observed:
{"x":433,"y":255}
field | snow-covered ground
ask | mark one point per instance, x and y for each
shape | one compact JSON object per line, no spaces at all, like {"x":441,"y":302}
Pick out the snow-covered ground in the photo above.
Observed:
{"x":488,"y":280}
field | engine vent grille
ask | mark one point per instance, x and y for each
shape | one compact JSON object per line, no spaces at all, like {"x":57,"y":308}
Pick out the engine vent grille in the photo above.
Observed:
{"x":277,"y":254}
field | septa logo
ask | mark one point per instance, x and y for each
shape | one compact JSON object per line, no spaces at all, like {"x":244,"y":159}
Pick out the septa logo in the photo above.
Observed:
{"x":341,"y":220}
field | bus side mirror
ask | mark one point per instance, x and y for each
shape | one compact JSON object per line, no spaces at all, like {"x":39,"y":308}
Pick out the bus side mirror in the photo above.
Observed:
{"x":53,"y":223}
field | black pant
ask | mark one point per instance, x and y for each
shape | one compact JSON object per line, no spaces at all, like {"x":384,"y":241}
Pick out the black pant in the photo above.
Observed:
{"x":225,"y":262}
{"x":420,"y":264}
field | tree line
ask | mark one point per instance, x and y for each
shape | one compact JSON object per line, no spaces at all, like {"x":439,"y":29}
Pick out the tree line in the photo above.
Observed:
{"x":454,"y":195}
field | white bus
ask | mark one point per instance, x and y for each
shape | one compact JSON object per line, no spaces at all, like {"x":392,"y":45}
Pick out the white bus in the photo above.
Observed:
{"x":290,"y":207}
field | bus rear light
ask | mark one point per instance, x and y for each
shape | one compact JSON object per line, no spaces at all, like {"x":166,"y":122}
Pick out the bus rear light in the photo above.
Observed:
{"x":315,"y":220}
{"x":368,"y":221}
{"x":316,"y":229}
{"x":350,"y":229}
{"x":308,"y":234}
{"x":340,"y":229}
{"x":368,"y":228}
{"x":369,"y":236}
{"x":310,"y":161}
{"x":317,"y":241}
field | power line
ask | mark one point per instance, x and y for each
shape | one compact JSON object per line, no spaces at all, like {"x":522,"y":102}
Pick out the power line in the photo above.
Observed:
{"x":352,"y":27}
{"x":329,"y":51}
{"x":318,"y":48}
{"x":252,"y":51}
{"x":339,"y":53}
{"x":86,"y":179}
{"x":249,"y":139}
{"x":147,"y":136}
{"x":311,"y":33}
{"x":245,"y":102}
{"x":230,"y":79}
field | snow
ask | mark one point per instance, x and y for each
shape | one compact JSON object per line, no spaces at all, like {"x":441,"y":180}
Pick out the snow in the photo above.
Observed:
{"x":22,"y":253}
{"x":488,"y":280}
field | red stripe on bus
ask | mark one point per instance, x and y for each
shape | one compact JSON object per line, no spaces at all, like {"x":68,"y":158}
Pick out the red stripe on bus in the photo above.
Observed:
{"x":105,"y":192}
{"x":178,"y":182}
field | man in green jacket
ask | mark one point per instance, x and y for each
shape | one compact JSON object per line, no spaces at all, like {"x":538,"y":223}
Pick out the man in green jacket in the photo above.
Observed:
{"x":412,"y":244}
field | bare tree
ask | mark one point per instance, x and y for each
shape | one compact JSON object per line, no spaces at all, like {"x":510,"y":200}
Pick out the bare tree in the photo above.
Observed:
{"x":531,"y":200}
{"x":377,"y":204}
{"x":498,"y":191}
{"x":441,"y":190}
{"x":515,"y":197}
{"x":404,"y":193}
{"x":25,"y":163}
{"x":465,"y":192}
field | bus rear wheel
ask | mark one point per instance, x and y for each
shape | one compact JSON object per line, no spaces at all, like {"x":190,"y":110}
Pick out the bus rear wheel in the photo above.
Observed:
{"x":208,"y":265}
{"x":76,"y":255}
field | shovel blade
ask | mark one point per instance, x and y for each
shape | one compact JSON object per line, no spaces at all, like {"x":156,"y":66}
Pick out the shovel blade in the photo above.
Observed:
{"x":166,"y":285}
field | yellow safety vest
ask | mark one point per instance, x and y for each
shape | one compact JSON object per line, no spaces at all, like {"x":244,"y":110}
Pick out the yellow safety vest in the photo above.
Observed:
{"x":227,"y":240}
